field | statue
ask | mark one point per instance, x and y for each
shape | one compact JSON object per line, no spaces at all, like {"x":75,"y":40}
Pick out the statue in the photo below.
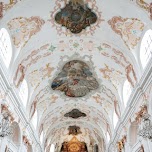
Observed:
{"x":146,"y":132}
{"x":5,"y":129}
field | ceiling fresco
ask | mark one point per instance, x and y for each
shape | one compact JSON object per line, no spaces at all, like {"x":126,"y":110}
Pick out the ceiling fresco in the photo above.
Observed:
{"x":75,"y":16}
{"x":75,"y":113}
{"x":81,"y":17}
{"x":75,"y":74}
{"x":74,"y":130}
{"x":75,"y":80}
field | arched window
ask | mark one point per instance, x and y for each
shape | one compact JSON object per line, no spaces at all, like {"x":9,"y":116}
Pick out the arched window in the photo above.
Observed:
{"x":34,"y":119}
{"x":108,"y":137}
{"x":23,"y":92}
{"x":146,"y":48}
{"x":41,"y":137}
{"x":127,"y":89}
{"x":5,"y":47}
{"x":52,"y":148}
{"x":115,"y":119}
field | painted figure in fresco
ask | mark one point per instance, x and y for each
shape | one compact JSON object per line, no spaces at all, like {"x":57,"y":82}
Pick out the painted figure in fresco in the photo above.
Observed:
{"x":75,"y":16}
{"x":76,"y":79}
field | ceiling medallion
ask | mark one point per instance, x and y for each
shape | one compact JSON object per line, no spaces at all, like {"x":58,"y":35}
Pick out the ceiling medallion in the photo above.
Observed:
{"x":74,"y":130}
{"x":76,"y":16}
{"x":75,"y":113}
{"x":75,"y":79}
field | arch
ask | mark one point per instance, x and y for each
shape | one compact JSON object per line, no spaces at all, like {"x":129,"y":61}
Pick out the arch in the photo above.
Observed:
{"x":127,"y":89}
{"x":133,"y":132}
{"x":16,"y":136}
{"x":5,"y":47}
{"x":23,"y":92}
{"x":52,"y":148}
{"x":146,"y":48}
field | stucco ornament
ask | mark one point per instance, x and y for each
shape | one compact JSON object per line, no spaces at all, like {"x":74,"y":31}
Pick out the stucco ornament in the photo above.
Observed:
{"x":75,"y":113}
{"x":75,"y":79}
{"x":23,"y":28}
{"x":130,"y":29}
{"x":6,"y":5}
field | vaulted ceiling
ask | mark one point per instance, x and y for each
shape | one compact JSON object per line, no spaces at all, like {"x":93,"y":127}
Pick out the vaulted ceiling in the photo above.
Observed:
{"x":45,"y":53}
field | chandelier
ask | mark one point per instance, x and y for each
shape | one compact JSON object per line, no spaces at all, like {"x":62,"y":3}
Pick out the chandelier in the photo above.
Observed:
{"x":146,"y":132}
{"x":5,"y":129}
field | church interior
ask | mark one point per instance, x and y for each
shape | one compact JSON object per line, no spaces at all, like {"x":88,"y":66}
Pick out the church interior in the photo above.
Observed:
{"x":76,"y":76}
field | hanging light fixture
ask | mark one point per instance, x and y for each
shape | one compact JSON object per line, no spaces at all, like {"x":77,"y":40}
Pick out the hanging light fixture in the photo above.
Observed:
{"x":5,"y":129}
{"x":146,"y":132}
